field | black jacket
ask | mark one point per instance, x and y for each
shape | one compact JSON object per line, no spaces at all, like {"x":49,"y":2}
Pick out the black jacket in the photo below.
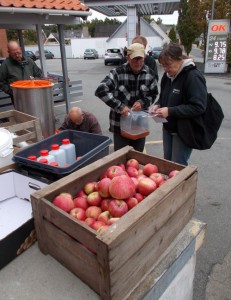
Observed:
{"x":185,"y":96}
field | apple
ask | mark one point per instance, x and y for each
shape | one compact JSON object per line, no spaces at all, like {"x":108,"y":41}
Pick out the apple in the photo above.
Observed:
{"x":131,"y":202}
{"x":64,"y":202}
{"x":78,"y":213}
{"x":114,"y":171}
{"x":148,"y":169}
{"x":103,"y":228}
{"x":132,"y":162}
{"x":89,"y":187}
{"x":146,"y":186}
{"x":139,"y":197}
{"x":104,"y":175}
{"x":67,"y":195}
{"x":103,"y":187}
{"x":96,"y":187}
{"x":135,"y":181}
{"x":105,"y":203}
{"x":104,"y":217}
{"x":94,"y":199}
{"x":173,"y":173}
{"x":140,"y":172}
{"x":93,"y":212}
{"x":141,"y":176}
{"x":122,"y":166}
{"x":81,"y":193}
{"x":117,"y":208}
{"x":122,"y":187}
{"x":81,"y":202}
{"x":113,"y":220}
{"x":89,"y":221}
{"x":157,"y":178}
{"x":132,"y":172}
{"x":97,"y":224}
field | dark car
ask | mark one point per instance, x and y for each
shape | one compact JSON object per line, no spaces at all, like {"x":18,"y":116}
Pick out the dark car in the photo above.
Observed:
{"x":48,"y":54}
{"x":113,"y":56}
{"x":90,"y":53}
{"x":156,"y":52}
{"x":30,"y":54}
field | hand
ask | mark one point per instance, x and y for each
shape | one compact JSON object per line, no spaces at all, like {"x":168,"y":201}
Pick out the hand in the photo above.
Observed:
{"x":137,"y":106}
{"x":152,"y":109}
{"x":125,"y":111}
{"x":162,"y":112}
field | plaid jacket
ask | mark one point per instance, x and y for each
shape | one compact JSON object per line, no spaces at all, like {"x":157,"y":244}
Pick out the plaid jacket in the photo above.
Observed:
{"x":123,"y":88}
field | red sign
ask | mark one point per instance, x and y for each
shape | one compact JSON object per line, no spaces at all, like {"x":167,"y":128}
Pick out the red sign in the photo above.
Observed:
{"x":219,"y":28}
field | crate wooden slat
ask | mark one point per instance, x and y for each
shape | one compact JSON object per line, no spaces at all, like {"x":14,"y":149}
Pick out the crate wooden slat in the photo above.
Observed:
{"x":26,"y":127}
{"x":127,"y":251}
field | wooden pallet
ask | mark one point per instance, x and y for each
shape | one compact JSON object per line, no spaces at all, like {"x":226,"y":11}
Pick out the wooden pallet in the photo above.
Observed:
{"x":26,"y":127}
{"x":120,"y":258}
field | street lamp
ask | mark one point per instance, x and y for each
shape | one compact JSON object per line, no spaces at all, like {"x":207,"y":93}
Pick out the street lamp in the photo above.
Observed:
{"x":212,"y":12}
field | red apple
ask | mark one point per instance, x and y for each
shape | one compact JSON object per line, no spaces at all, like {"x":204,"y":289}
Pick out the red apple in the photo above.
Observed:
{"x":89,"y":221}
{"x":117,"y":208}
{"x":105,"y":203}
{"x":81,"y":193}
{"x":131,"y":202}
{"x":89,"y":187}
{"x":122,"y":187}
{"x":140,"y":172}
{"x":97,"y":224}
{"x":103,"y":187}
{"x":148,"y":169}
{"x":173,"y":173}
{"x":93,"y":212}
{"x":139,"y":197}
{"x":96,"y":187}
{"x":122,"y":166}
{"x":78,"y":213}
{"x":146,"y":186}
{"x":103,"y":228}
{"x":113,"y":220}
{"x":157,"y":178}
{"x":133,"y":163}
{"x":114,"y":171}
{"x":94,"y":199}
{"x":135,"y":181}
{"x":141,"y":176}
{"x":104,"y":175}
{"x":132,"y":172}
{"x":104,"y":217}
{"x":64,"y":202}
{"x":67,"y":195}
{"x":81,"y":202}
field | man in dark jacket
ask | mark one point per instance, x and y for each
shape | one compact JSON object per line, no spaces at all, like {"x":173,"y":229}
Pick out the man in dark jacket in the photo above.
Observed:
{"x":16,"y":67}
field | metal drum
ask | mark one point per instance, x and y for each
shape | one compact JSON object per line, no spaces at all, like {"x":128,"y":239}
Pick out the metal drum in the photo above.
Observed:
{"x":35,"y":97}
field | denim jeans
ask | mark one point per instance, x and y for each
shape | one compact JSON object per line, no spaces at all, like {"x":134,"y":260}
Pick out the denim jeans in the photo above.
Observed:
{"x":174,"y":148}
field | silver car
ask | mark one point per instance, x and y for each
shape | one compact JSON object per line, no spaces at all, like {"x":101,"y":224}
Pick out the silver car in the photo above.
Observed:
{"x":90,"y":53}
{"x":113,"y":56}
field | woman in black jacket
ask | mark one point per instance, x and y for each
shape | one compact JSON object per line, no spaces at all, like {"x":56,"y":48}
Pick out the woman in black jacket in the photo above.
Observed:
{"x":183,"y":94}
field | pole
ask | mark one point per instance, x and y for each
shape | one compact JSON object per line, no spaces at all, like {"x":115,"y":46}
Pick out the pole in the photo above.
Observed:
{"x":212,"y":12}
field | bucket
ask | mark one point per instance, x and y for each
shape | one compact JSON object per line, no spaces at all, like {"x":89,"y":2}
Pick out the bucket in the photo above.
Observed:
{"x":6,"y":147}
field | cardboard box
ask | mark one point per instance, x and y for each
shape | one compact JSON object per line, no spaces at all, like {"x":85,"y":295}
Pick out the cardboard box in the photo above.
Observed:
{"x":113,"y":263}
{"x":16,"y":222}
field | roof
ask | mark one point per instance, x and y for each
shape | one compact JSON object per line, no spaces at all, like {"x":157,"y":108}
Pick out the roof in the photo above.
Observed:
{"x":46,"y":4}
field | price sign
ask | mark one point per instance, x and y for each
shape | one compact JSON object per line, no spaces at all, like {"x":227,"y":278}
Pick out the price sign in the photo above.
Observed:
{"x":217,"y":46}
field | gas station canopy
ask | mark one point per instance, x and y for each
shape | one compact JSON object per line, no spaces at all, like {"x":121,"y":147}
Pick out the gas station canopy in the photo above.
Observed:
{"x":117,"y":8}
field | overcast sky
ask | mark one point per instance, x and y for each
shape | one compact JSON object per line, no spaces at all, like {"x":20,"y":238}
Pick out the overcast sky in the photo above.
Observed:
{"x":167,"y":19}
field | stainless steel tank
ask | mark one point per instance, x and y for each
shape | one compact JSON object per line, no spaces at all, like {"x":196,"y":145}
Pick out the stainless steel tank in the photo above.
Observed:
{"x":35,"y":97}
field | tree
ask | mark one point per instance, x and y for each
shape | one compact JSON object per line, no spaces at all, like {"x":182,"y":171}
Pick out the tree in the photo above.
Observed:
{"x":12,"y":35}
{"x":172,"y":35}
{"x":159,"y":21}
{"x":30,"y":37}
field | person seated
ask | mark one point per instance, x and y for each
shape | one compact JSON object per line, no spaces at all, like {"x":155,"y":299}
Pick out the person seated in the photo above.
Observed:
{"x":81,"y":121}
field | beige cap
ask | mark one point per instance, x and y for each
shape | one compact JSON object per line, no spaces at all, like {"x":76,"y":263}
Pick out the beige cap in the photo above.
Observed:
{"x":136,"y":50}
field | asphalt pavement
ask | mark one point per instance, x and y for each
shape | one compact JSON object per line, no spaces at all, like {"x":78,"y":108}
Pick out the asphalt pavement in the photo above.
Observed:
{"x":213,"y":205}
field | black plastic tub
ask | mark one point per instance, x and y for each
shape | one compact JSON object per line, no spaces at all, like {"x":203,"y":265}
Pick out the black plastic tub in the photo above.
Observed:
{"x":90,"y":147}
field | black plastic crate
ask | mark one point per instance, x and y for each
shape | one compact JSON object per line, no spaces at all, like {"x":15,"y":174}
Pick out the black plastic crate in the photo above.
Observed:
{"x":90,"y":147}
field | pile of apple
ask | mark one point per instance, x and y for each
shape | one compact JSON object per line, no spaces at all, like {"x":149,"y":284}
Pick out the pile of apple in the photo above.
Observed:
{"x":100,"y":204}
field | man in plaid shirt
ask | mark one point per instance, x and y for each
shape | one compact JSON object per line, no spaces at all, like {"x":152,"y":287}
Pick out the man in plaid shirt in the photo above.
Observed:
{"x":130,"y":86}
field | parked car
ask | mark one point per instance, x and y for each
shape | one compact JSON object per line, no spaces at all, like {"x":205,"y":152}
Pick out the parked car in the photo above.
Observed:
{"x":48,"y":54}
{"x":113,"y":56}
{"x":90,"y":53}
{"x":156,"y":52}
{"x":30,"y":54}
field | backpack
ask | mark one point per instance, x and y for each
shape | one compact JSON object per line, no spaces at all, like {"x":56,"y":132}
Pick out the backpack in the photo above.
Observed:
{"x":201,"y":132}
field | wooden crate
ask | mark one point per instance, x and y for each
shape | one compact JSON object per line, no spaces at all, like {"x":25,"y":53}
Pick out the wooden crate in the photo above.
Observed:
{"x":26,"y":127}
{"x":126,"y":252}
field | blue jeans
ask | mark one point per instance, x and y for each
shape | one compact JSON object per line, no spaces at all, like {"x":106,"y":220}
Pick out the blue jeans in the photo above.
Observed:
{"x":174,"y":148}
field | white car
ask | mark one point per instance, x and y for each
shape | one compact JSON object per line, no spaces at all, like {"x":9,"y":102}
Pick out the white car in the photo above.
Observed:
{"x":113,"y":56}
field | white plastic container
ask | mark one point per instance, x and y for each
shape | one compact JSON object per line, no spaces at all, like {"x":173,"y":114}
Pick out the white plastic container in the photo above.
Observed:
{"x":6,"y":147}
{"x":59,"y":154}
{"x":45,"y":154}
{"x":69,"y":151}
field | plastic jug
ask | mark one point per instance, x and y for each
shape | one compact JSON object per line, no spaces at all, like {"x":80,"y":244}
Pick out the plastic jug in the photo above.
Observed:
{"x":6,"y":147}
{"x":69,"y":150}
{"x":59,"y":154}
{"x":45,"y":154}
{"x":135,"y":125}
